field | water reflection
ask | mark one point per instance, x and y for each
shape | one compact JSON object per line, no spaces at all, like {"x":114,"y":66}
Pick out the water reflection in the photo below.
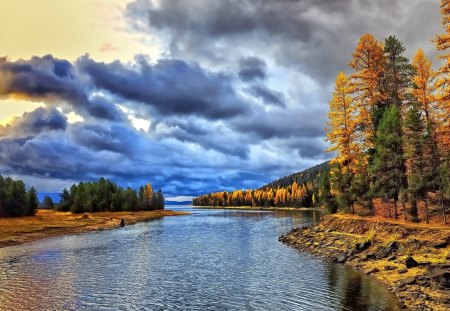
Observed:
{"x":211,"y":260}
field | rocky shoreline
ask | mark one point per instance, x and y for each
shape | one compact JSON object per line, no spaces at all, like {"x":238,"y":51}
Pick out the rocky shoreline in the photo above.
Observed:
{"x":412,"y":261}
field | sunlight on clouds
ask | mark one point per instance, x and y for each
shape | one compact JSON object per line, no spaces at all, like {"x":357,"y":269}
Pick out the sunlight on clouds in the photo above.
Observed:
{"x":69,"y":29}
{"x":72,"y":117}
{"x":140,"y":124}
{"x":10,"y":109}
{"x":137,"y":123}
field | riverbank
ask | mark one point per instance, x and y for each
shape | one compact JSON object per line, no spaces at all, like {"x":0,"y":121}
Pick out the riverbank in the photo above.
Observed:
{"x":259,"y":208}
{"x":413,"y":261}
{"x":48,"y":223}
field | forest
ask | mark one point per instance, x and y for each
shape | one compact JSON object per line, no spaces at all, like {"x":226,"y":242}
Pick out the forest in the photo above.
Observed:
{"x":15,"y":200}
{"x":389,"y":128}
{"x":105,"y":195}
{"x":296,"y":190}
{"x":100,"y":196}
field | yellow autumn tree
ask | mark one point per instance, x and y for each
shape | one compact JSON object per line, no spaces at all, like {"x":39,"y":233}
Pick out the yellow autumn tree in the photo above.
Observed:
{"x":424,"y":87}
{"x":148,"y":192}
{"x":342,"y":130}
{"x":368,"y":66}
{"x":443,"y":80}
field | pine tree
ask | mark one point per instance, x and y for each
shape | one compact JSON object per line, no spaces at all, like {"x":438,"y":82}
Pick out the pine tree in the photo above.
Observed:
{"x":398,"y":72}
{"x":32,"y":202}
{"x":388,"y":165}
{"x":414,"y":154}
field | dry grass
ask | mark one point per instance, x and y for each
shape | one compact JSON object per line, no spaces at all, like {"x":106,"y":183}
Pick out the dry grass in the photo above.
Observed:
{"x":47,"y":223}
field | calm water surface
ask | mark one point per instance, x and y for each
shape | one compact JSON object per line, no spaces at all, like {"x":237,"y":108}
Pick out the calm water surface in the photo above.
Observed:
{"x":210,"y":260}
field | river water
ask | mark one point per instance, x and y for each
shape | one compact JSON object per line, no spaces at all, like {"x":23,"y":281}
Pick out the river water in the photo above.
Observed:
{"x":210,"y":260}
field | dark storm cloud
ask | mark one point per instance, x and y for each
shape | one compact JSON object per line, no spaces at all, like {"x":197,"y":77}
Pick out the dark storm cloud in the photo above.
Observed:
{"x":40,"y":78}
{"x":37,"y":121}
{"x":210,"y":137}
{"x":267,"y":95}
{"x":169,"y":86}
{"x":308,"y":123}
{"x":252,"y":68}
{"x":98,"y":137}
{"x":315,"y":36}
{"x":53,"y":80}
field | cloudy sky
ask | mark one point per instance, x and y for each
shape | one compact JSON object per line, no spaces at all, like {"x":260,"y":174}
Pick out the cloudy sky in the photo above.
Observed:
{"x":191,"y":95}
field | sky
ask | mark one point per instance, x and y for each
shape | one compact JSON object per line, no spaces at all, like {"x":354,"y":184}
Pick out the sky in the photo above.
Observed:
{"x":193,"y":96}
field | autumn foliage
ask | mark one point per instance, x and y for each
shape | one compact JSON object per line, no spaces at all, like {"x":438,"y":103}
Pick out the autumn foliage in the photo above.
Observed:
{"x":389,"y":128}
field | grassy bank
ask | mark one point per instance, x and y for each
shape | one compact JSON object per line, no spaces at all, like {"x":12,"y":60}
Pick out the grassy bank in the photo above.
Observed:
{"x":47,"y":223}
{"x":384,"y":250}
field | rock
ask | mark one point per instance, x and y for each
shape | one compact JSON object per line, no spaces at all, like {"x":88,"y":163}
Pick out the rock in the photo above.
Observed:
{"x":389,"y":267}
{"x":373,"y":270}
{"x":392,"y":246}
{"x":407,"y":281}
{"x":382,"y":252}
{"x":363,"y":246}
{"x":341,"y":259}
{"x":401,"y":271}
{"x":391,"y":258}
{"x":329,"y":243}
{"x":441,"y":277}
{"x":411,"y":262}
{"x":122,"y":223}
{"x":441,"y":244}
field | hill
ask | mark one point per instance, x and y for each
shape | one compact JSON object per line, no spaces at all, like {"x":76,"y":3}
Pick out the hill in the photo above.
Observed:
{"x":310,"y":175}
{"x":296,"y":190}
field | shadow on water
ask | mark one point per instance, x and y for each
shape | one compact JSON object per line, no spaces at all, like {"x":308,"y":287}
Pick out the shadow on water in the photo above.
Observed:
{"x":210,"y":260}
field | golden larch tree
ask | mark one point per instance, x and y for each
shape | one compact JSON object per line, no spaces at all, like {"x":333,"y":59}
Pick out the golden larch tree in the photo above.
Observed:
{"x":342,"y":129}
{"x":443,"y":80}
{"x":368,"y":66}
{"x":424,"y":86}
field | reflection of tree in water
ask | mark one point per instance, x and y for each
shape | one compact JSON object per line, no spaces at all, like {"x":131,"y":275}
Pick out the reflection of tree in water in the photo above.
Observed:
{"x":352,"y":293}
{"x":356,"y":291}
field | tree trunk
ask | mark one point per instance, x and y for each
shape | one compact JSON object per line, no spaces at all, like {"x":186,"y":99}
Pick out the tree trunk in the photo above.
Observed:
{"x":444,"y":212}
{"x":395,"y":209}
{"x":404,"y":210}
{"x":427,"y":220}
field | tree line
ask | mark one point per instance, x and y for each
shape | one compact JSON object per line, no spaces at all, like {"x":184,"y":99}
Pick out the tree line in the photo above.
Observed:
{"x":293,"y":195}
{"x":100,"y":196}
{"x":15,"y":200}
{"x":389,"y":126}
{"x":105,"y":195}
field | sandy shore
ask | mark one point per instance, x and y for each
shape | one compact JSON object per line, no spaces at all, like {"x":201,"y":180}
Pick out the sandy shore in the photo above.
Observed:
{"x":412,"y":260}
{"x":47,"y":223}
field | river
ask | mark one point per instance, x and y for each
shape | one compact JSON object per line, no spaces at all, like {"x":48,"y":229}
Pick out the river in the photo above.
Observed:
{"x":210,"y":260}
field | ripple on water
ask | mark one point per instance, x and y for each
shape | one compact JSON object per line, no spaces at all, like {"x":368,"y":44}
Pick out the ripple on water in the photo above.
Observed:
{"x":211,"y":260}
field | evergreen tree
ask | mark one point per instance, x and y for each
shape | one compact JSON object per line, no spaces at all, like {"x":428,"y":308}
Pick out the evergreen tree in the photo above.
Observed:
{"x":398,"y":72}
{"x":47,"y":203}
{"x":388,"y":166}
{"x":325,"y":196}
{"x":32,"y":202}
{"x":414,"y":154}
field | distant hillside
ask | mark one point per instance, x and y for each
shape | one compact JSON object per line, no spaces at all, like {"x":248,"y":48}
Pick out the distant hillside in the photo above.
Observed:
{"x":310,"y":175}
{"x":296,"y":190}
